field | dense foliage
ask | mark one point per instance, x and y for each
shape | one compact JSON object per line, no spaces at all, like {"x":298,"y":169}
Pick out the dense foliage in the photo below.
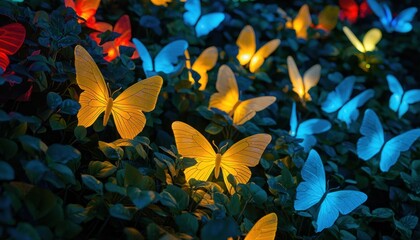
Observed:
{"x":63,"y":181}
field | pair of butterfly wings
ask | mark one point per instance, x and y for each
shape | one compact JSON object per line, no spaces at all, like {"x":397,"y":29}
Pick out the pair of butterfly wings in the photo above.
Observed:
{"x":166,"y":61}
{"x":11,"y":39}
{"x":203,"y":23}
{"x":236,"y":160}
{"x":373,"y":141}
{"x":351,"y":10}
{"x":400,"y":100}
{"x":339,"y":98}
{"x":313,"y":191}
{"x":85,"y":9}
{"x":248,"y":53}
{"x":401,"y":23}
{"x":205,"y":62}
{"x":301,"y":22}
{"x":306,"y":129}
{"x":301,"y":85}
{"x":371,"y":38}
{"x":227,"y":98}
{"x":127,"y":107}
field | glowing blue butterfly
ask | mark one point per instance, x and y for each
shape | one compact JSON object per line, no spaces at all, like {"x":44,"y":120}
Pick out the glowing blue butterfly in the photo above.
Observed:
{"x":401,"y":23}
{"x":339,"y":99}
{"x":399,"y":101}
{"x":166,"y":61}
{"x":305,"y":129}
{"x":203,"y":24}
{"x":373,"y":141}
{"x":313,"y":191}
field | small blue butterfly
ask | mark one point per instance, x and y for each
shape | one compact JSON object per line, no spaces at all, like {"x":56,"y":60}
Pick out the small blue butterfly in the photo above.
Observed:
{"x":399,"y":101}
{"x":401,"y":23}
{"x":203,"y":24}
{"x":166,"y":61}
{"x":373,"y":141}
{"x":313,"y":191}
{"x":305,"y":129}
{"x":339,"y":99}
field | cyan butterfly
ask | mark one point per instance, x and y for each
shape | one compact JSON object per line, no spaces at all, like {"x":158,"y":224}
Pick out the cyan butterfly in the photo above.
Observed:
{"x":373,"y":141}
{"x":339,"y":98}
{"x":166,"y":61}
{"x":306,"y":129}
{"x":401,"y":23}
{"x":203,"y":24}
{"x":400,"y":100}
{"x":313,"y":191}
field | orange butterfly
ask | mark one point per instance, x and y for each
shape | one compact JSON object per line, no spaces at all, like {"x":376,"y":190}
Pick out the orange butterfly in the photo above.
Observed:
{"x":327,"y":18}
{"x":301,"y":22}
{"x":112,"y":48}
{"x":85,"y":9}
{"x":205,"y":62}
{"x":11,"y":39}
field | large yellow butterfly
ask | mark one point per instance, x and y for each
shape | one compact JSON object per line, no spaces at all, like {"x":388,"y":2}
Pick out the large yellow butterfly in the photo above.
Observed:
{"x":301,"y":22}
{"x":264,"y":229}
{"x":247,"y":46}
{"x":371,"y":38}
{"x":205,"y":62}
{"x":301,"y":85}
{"x":236,"y":160}
{"x":126,"y":109}
{"x":227,"y":98}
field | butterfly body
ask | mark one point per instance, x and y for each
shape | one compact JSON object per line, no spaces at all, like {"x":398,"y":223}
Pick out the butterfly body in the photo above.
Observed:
{"x":399,"y":101}
{"x":236,"y":160}
{"x":203,"y":24}
{"x":313,"y":191}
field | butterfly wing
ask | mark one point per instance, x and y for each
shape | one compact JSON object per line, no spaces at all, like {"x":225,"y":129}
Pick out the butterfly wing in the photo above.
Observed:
{"x":309,"y":127}
{"x":228,"y":93}
{"x":373,"y":136}
{"x":410,"y":97}
{"x":94,"y":98}
{"x":167,"y":60}
{"x":246,"y":44}
{"x":349,"y":112}
{"x":302,"y":22}
{"x":242,"y":155}
{"x":264,"y":229}
{"x":192,"y":13}
{"x":402,"y":23}
{"x":191,"y":143}
{"x":353,"y":39}
{"x":86,"y":9}
{"x":395,"y":146}
{"x":128,"y":106}
{"x":339,"y":96}
{"x":349,"y":10}
{"x":344,"y":202}
{"x":11,"y":39}
{"x":327,"y":18}
{"x":311,"y":190}
{"x":310,"y":79}
{"x":205,"y":62}
{"x":380,"y":10}
{"x":258,"y":59}
{"x":208,"y":23}
{"x":371,"y":38}
{"x":397,"y":92}
{"x":295,"y":77}
{"x":145,"y":57}
{"x":248,"y":108}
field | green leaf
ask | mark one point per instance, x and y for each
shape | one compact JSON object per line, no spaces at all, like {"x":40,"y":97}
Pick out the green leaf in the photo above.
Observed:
{"x":67,"y":229}
{"x":63,"y":154}
{"x":64,"y":172}
{"x":8,"y":148}
{"x":70,"y":107}
{"x":39,"y":202}
{"x":234,"y":205}
{"x":121,"y":212}
{"x":53,"y":100}
{"x":220,"y":229}
{"x":214,"y":128}
{"x":25,"y":231}
{"x":409,"y":221}
{"x":80,"y":133}
{"x":32,"y":144}
{"x":57,"y":122}
{"x":75,"y":213}
{"x":111,"y":151}
{"x":187,"y":223}
{"x":6,"y":171}
{"x":112,"y":187}
{"x":175,"y":198}
{"x":259,"y":195}
{"x":141,"y":198}
{"x":134,"y":178}
{"x":382,"y":213}
{"x":101,"y":169}
{"x":35,"y":170}
{"x":92,"y":183}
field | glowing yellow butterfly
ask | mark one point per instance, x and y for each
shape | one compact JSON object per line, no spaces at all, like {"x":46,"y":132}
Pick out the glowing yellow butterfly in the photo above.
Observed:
{"x":161,"y":2}
{"x":227,"y":98}
{"x":236,"y":160}
{"x":205,"y":62}
{"x":301,"y":85}
{"x":371,"y":38}
{"x":264,"y":229}
{"x":301,"y":22}
{"x":126,"y":109}
{"x":247,"y":47}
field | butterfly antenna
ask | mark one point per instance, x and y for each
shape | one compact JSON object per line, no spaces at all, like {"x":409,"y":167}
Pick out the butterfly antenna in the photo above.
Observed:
{"x":115,"y":91}
{"x":224,"y":146}
{"x":214,"y":144}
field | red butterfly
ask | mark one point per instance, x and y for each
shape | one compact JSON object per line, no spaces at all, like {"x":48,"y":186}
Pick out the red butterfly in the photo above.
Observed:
{"x":11,"y":39}
{"x":350,"y":10}
{"x":112,"y":48}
